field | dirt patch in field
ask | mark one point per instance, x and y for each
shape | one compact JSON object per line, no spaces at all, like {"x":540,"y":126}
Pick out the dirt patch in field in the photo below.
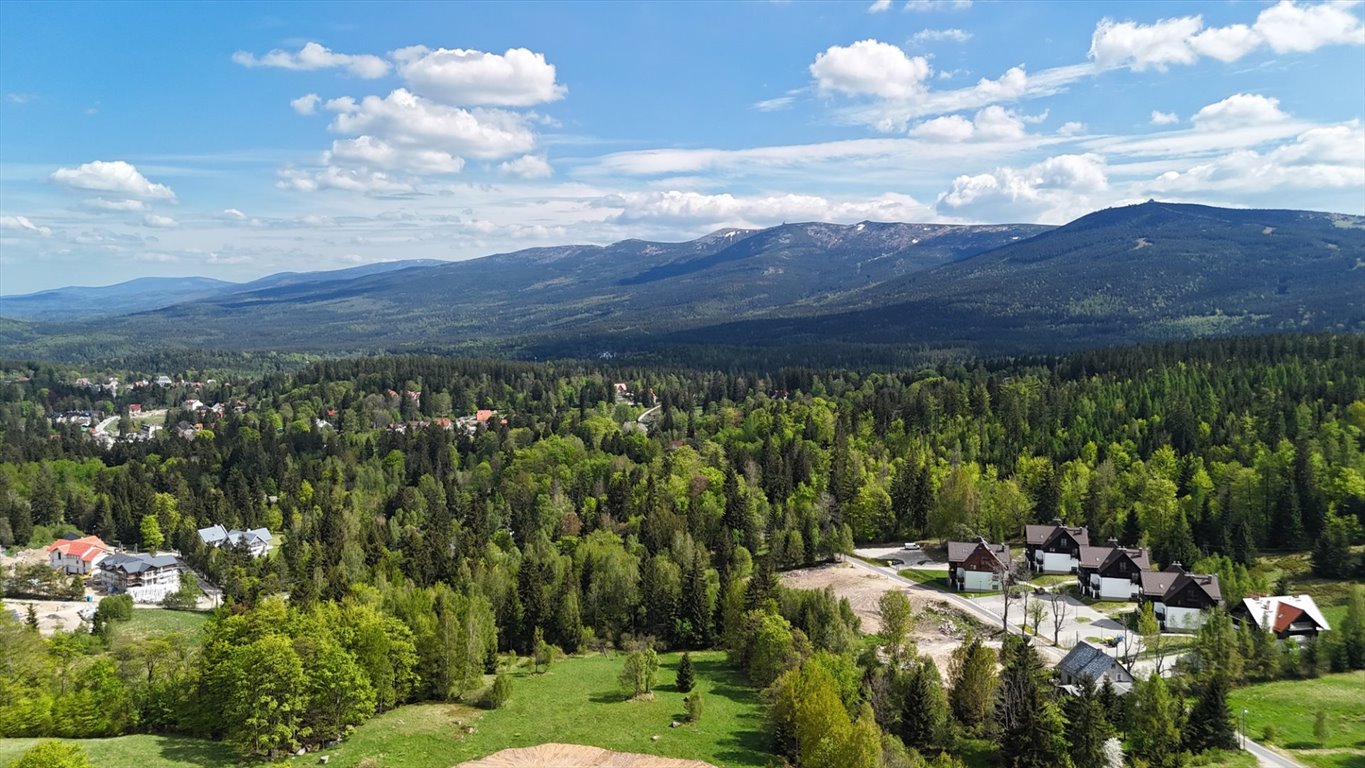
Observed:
{"x":939,"y":627}
{"x":576,"y":756}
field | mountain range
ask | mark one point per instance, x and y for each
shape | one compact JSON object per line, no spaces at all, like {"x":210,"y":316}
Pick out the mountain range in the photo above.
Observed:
{"x":1136,"y":273}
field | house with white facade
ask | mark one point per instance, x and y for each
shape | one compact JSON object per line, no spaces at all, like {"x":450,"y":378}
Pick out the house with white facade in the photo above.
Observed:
{"x":77,"y":556}
{"x":978,"y":566}
{"x":1091,"y":661}
{"x":146,"y":578}
{"x":1112,"y":572}
{"x":1179,"y":599}
{"x":1054,"y":548}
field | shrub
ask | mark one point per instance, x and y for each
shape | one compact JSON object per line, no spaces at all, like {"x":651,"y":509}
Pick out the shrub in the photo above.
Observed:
{"x":53,"y":754}
{"x":499,"y":692}
{"x":1268,"y":733}
{"x":693,"y":705}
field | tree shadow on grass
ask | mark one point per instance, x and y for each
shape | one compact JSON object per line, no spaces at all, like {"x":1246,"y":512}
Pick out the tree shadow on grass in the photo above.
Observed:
{"x":196,"y":751}
{"x":608,"y":697}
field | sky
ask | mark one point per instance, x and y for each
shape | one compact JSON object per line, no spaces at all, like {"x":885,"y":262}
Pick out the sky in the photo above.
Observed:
{"x":235,"y":140}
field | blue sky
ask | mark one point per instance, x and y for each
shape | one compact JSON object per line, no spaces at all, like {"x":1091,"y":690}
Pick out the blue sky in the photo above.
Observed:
{"x":234,"y":140}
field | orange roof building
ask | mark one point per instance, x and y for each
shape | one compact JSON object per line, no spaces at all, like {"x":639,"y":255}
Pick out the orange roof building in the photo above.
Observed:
{"x":78,"y":556}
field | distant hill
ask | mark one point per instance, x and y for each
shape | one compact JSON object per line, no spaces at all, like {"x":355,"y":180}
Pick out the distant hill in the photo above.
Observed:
{"x":76,"y":303}
{"x":1138,"y":273}
{"x":633,"y":286}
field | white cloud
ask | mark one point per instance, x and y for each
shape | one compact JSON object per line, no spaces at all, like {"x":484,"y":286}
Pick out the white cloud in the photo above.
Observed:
{"x":694,"y":208}
{"x":233,"y":213}
{"x":101,"y":204}
{"x":869,"y":67}
{"x":994,"y":123}
{"x":406,"y":120}
{"x":25,"y":98}
{"x":935,"y":35}
{"x":1056,"y":189}
{"x":775,"y":104}
{"x":528,"y":167}
{"x":1286,"y":27}
{"x":159,"y":222}
{"x":1237,"y":111}
{"x":314,"y":56}
{"x":22,"y":224}
{"x":937,"y":5}
{"x":111,"y":176}
{"x":1164,"y":118}
{"x":1324,"y":157}
{"x":370,"y":151}
{"x":306,"y":104}
{"x":348,"y":179}
{"x":1071,"y":128}
{"x":879,"y":5}
{"x":516,"y":78}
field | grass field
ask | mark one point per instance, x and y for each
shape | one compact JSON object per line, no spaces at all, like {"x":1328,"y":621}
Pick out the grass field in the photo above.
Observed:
{"x":935,"y":579}
{"x":577,"y":702}
{"x":1291,"y":706}
{"x":142,"y":751}
{"x":158,"y":621}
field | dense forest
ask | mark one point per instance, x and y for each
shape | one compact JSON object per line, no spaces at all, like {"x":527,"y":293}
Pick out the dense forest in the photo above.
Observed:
{"x":649,"y":508}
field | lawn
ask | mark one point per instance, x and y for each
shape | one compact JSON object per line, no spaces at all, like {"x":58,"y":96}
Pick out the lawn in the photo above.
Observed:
{"x":1291,"y":707}
{"x":159,"y":621}
{"x":578,"y":702}
{"x":934,"y":579}
{"x":143,"y":751}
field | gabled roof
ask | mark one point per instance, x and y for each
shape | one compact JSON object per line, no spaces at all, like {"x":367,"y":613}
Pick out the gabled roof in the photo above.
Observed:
{"x":1285,"y":610}
{"x":1157,"y":585}
{"x":1138,"y":556}
{"x":959,"y":551}
{"x":1086,"y":660}
{"x":86,"y":548}
{"x":1042,"y":535}
{"x":1206,"y":582}
{"x":214,"y":534}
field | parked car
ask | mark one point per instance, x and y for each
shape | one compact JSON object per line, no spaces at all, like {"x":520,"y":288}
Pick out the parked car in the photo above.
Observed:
{"x":913,"y":546}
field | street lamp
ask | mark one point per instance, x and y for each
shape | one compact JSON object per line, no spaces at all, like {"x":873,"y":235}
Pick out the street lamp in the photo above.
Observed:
{"x":1244,"y":728}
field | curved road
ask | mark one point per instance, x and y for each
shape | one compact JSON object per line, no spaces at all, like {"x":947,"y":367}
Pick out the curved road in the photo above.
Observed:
{"x":1266,"y":757}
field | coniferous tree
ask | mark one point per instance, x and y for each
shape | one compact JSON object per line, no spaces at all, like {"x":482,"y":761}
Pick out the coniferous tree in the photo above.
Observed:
{"x":924,"y":708}
{"x":1155,"y":722}
{"x":972,"y":677}
{"x":1032,"y":731}
{"x":1210,"y":721}
{"x":685,"y":674}
{"x":1088,"y":726}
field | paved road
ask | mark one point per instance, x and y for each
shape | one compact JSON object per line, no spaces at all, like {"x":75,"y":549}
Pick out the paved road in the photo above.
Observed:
{"x":1269,"y":757}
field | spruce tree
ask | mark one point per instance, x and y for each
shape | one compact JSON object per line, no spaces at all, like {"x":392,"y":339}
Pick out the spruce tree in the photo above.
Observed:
{"x":1032,"y":731}
{"x":1210,"y":722}
{"x":972,"y":676}
{"x":1154,"y":726}
{"x":1088,"y":725}
{"x":685,"y":673}
{"x":923,"y":708}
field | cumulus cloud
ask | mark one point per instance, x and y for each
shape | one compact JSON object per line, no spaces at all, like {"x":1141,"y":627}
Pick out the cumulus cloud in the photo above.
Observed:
{"x":408,"y":120}
{"x":159,"y":222}
{"x":233,"y":213}
{"x":306,"y":104}
{"x":994,"y":123}
{"x":101,"y":204}
{"x":1055,"y":189}
{"x":515,"y":78}
{"x":528,"y":167}
{"x":869,"y":67}
{"x":315,"y":56}
{"x":1238,"y":111}
{"x":936,"y":35}
{"x":1286,"y":27}
{"x":111,"y":176}
{"x":879,"y":5}
{"x":22,"y":224}
{"x":694,"y":208}
{"x":1164,"y":118}
{"x":1323,"y":157}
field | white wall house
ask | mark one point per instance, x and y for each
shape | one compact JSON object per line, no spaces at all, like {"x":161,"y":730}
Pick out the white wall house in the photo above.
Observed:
{"x":145,"y":578}
{"x":77,"y":556}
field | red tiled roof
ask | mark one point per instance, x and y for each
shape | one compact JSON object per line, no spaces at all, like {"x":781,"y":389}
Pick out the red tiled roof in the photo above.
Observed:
{"x":1288,"y":614}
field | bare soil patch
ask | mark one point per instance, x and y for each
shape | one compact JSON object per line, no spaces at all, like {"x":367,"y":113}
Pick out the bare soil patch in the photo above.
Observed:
{"x":576,"y":756}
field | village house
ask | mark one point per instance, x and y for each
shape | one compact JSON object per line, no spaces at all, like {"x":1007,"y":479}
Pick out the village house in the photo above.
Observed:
{"x":77,"y":556}
{"x":1054,"y":548}
{"x":257,"y":541}
{"x":143,"y":577}
{"x":978,"y":566}
{"x":1086,"y":660}
{"x":1112,"y":572}
{"x":1284,"y":616}
{"x":1179,"y":599}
